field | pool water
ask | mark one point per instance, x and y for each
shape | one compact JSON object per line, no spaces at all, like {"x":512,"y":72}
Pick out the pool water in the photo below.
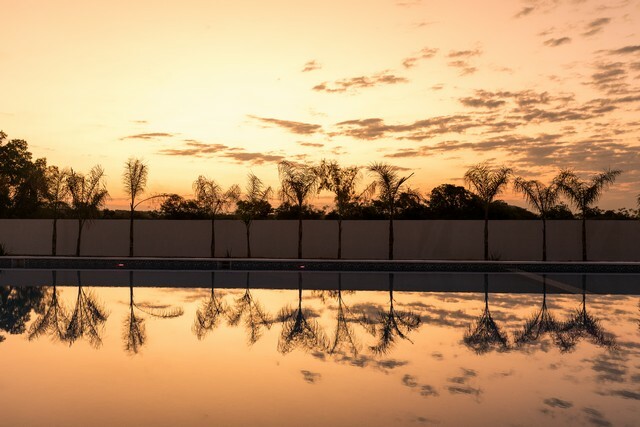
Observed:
{"x":237,"y":356}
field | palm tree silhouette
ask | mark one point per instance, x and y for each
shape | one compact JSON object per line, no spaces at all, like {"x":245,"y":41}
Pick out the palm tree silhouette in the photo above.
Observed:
{"x":393,"y":324}
{"x":255,"y":205}
{"x":485,"y":335}
{"x":583,"y":194}
{"x":87,"y":318}
{"x":487,"y":183}
{"x":391,"y":186}
{"x":55,"y":318}
{"x":249,"y":310}
{"x":57,"y":197}
{"x":298,"y":329}
{"x":208,"y":315}
{"x":543,"y":198}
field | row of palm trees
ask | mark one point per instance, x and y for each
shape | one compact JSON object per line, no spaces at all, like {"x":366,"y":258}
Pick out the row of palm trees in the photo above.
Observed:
{"x":86,"y":194}
{"x":300,"y":327}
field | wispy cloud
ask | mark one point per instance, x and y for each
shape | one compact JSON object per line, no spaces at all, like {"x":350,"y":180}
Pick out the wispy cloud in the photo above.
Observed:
{"x":193,"y":148}
{"x":425,"y":53}
{"x":554,"y":42}
{"x":625,"y":50}
{"x":311,"y":144}
{"x":299,"y":128}
{"x":151,"y":135}
{"x":311,"y":66}
{"x":596,"y":26}
{"x":461,"y":59}
{"x":524,"y":11}
{"x":361,"y":82}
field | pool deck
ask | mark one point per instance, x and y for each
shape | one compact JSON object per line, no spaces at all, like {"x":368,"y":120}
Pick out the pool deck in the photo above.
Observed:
{"x":246,"y":264}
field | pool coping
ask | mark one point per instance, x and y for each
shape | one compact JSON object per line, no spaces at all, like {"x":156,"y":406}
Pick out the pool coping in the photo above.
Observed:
{"x":264,"y":264}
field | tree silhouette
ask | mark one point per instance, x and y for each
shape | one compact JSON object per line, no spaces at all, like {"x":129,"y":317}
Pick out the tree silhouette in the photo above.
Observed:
{"x":299,"y":329}
{"x":209,"y":313}
{"x":88,"y":195}
{"x":134,"y":332}
{"x":541,"y":323}
{"x":297,"y":184}
{"x":255,"y":205}
{"x":54,"y":320}
{"x":16,"y":305}
{"x":487,"y":183}
{"x":57,"y":196}
{"x":393,"y":324}
{"x":485,"y":335}
{"x":342,"y":181}
{"x":249,"y":310}
{"x":87,"y":318}
{"x":214,"y":200}
{"x":543,"y":198}
{"x":582,"y":324}
{"x":583,"y":194}
{"x":391,"y":186}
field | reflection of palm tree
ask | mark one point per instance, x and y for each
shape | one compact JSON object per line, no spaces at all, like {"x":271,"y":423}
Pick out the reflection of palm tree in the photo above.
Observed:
{"x":134,"y":332}
{"x":209,"y":313}
{"x":298,"y":329}
{"x":485,"y":335}
{"x":542,"y":322}
{"x":394,"y":323}
{"x":255,"y":318}
{"x":54,"y":320}
{"x":583,"y":325}
{"x":87,"y":319}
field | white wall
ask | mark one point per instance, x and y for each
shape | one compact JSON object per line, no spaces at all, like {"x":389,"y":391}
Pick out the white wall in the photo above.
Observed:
{"x":444,"y":240}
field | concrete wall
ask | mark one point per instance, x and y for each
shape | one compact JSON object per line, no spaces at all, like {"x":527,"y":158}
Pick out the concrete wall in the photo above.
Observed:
{"x":438,"y":240}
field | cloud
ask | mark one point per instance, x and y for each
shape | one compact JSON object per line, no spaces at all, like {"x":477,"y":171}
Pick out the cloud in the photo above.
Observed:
{"x":596,"y":417}
{"x":360,"y":82}
{"x":198,"y":149}
{"x":254,"y":158}
{"x":409,"y":381}
{"x":427,"y":390}
{"x":596,"y":26}
{"x":310,"y":377}
{"x":311,"y":144}
{"x":625,"y":50}
{"x":299,"y":128}
{"x":524,"y":12}
{"x":311,"y":66}
{"x":460,"y":60}
{"x":195,"y":149}
{"x":151,"y":135}
{"x":627,"y":394}
{"x":425,"y":53}
{"x":553,"y":42}
{"x":554,"y":402}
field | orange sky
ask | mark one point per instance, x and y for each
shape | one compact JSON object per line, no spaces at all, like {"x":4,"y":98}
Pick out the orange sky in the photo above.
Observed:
{"x":222,"y":88}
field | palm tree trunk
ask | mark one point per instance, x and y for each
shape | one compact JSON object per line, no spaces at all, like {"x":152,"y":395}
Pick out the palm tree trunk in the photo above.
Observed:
{"x":54,"y":236}
{"x":300,"y":236}
{"x":391,"y":238}
{"x":340,"y":238}
{"x":80,"y":226}
{"x":213,"y":237}
{"x":131,"y":234}
{"x":544,"y":239}
{"x":486,"y":233}
{"x":584,"y":237}
{"x":248,"y":227}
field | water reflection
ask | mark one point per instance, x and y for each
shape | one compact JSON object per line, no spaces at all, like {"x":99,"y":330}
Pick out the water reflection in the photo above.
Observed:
{"x":87,"y":318}
{"x":300,"y":328}
{"x":16,"y":305}
{"x":251,"y":313}
{"x":210,"y":312}
{"x":485,"y":335}
{"x":393,"y":324}
{"x":55,"y":318}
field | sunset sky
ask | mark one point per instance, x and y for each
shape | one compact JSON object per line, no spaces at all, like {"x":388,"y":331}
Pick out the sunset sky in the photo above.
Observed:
{"x":221,"y":88}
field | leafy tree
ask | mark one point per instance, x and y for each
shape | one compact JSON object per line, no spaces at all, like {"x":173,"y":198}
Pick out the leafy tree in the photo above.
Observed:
{"x":583,"y":194}
{"x":297,"y":184}
{"x":487,"y":184}
{"x":448,"y":201}
{"x":177,"y":207}
{"x":57,"y":197}
{"x":342,"y":182}
{"x":214,"y":200}
{"x":88,"y":194}
{"x":390,"y":185}
{"x":255,"y":205}
{"x":543,"y":198}
{"x":560,"y":211}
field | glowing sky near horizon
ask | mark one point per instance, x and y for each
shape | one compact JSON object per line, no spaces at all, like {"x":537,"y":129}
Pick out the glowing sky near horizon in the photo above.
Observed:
{"x":221,"y":88}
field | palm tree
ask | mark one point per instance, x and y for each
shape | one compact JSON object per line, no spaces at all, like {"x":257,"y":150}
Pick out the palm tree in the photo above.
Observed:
{"x":88,"y":195}
{"x":297,"y":184}
{"x":583,"y":194}
{"x":215,"y":200}
{"x":249,"y":309}
{"x":209,"y":313}
{"x":485,"y":335}
{"x":342,"y":182}
{"x":255,"y":205}
{"x":134,"y":178}
{"x":57,"y":196}
{"x":54,"y":320}
{"x":543,"y":198}
{"x":391,"y":186}
{"x":87,"y":318}
{"x":487,"y":183}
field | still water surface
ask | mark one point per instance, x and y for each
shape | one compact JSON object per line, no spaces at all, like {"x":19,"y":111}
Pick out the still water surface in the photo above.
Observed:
{"x":239,"y":356}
